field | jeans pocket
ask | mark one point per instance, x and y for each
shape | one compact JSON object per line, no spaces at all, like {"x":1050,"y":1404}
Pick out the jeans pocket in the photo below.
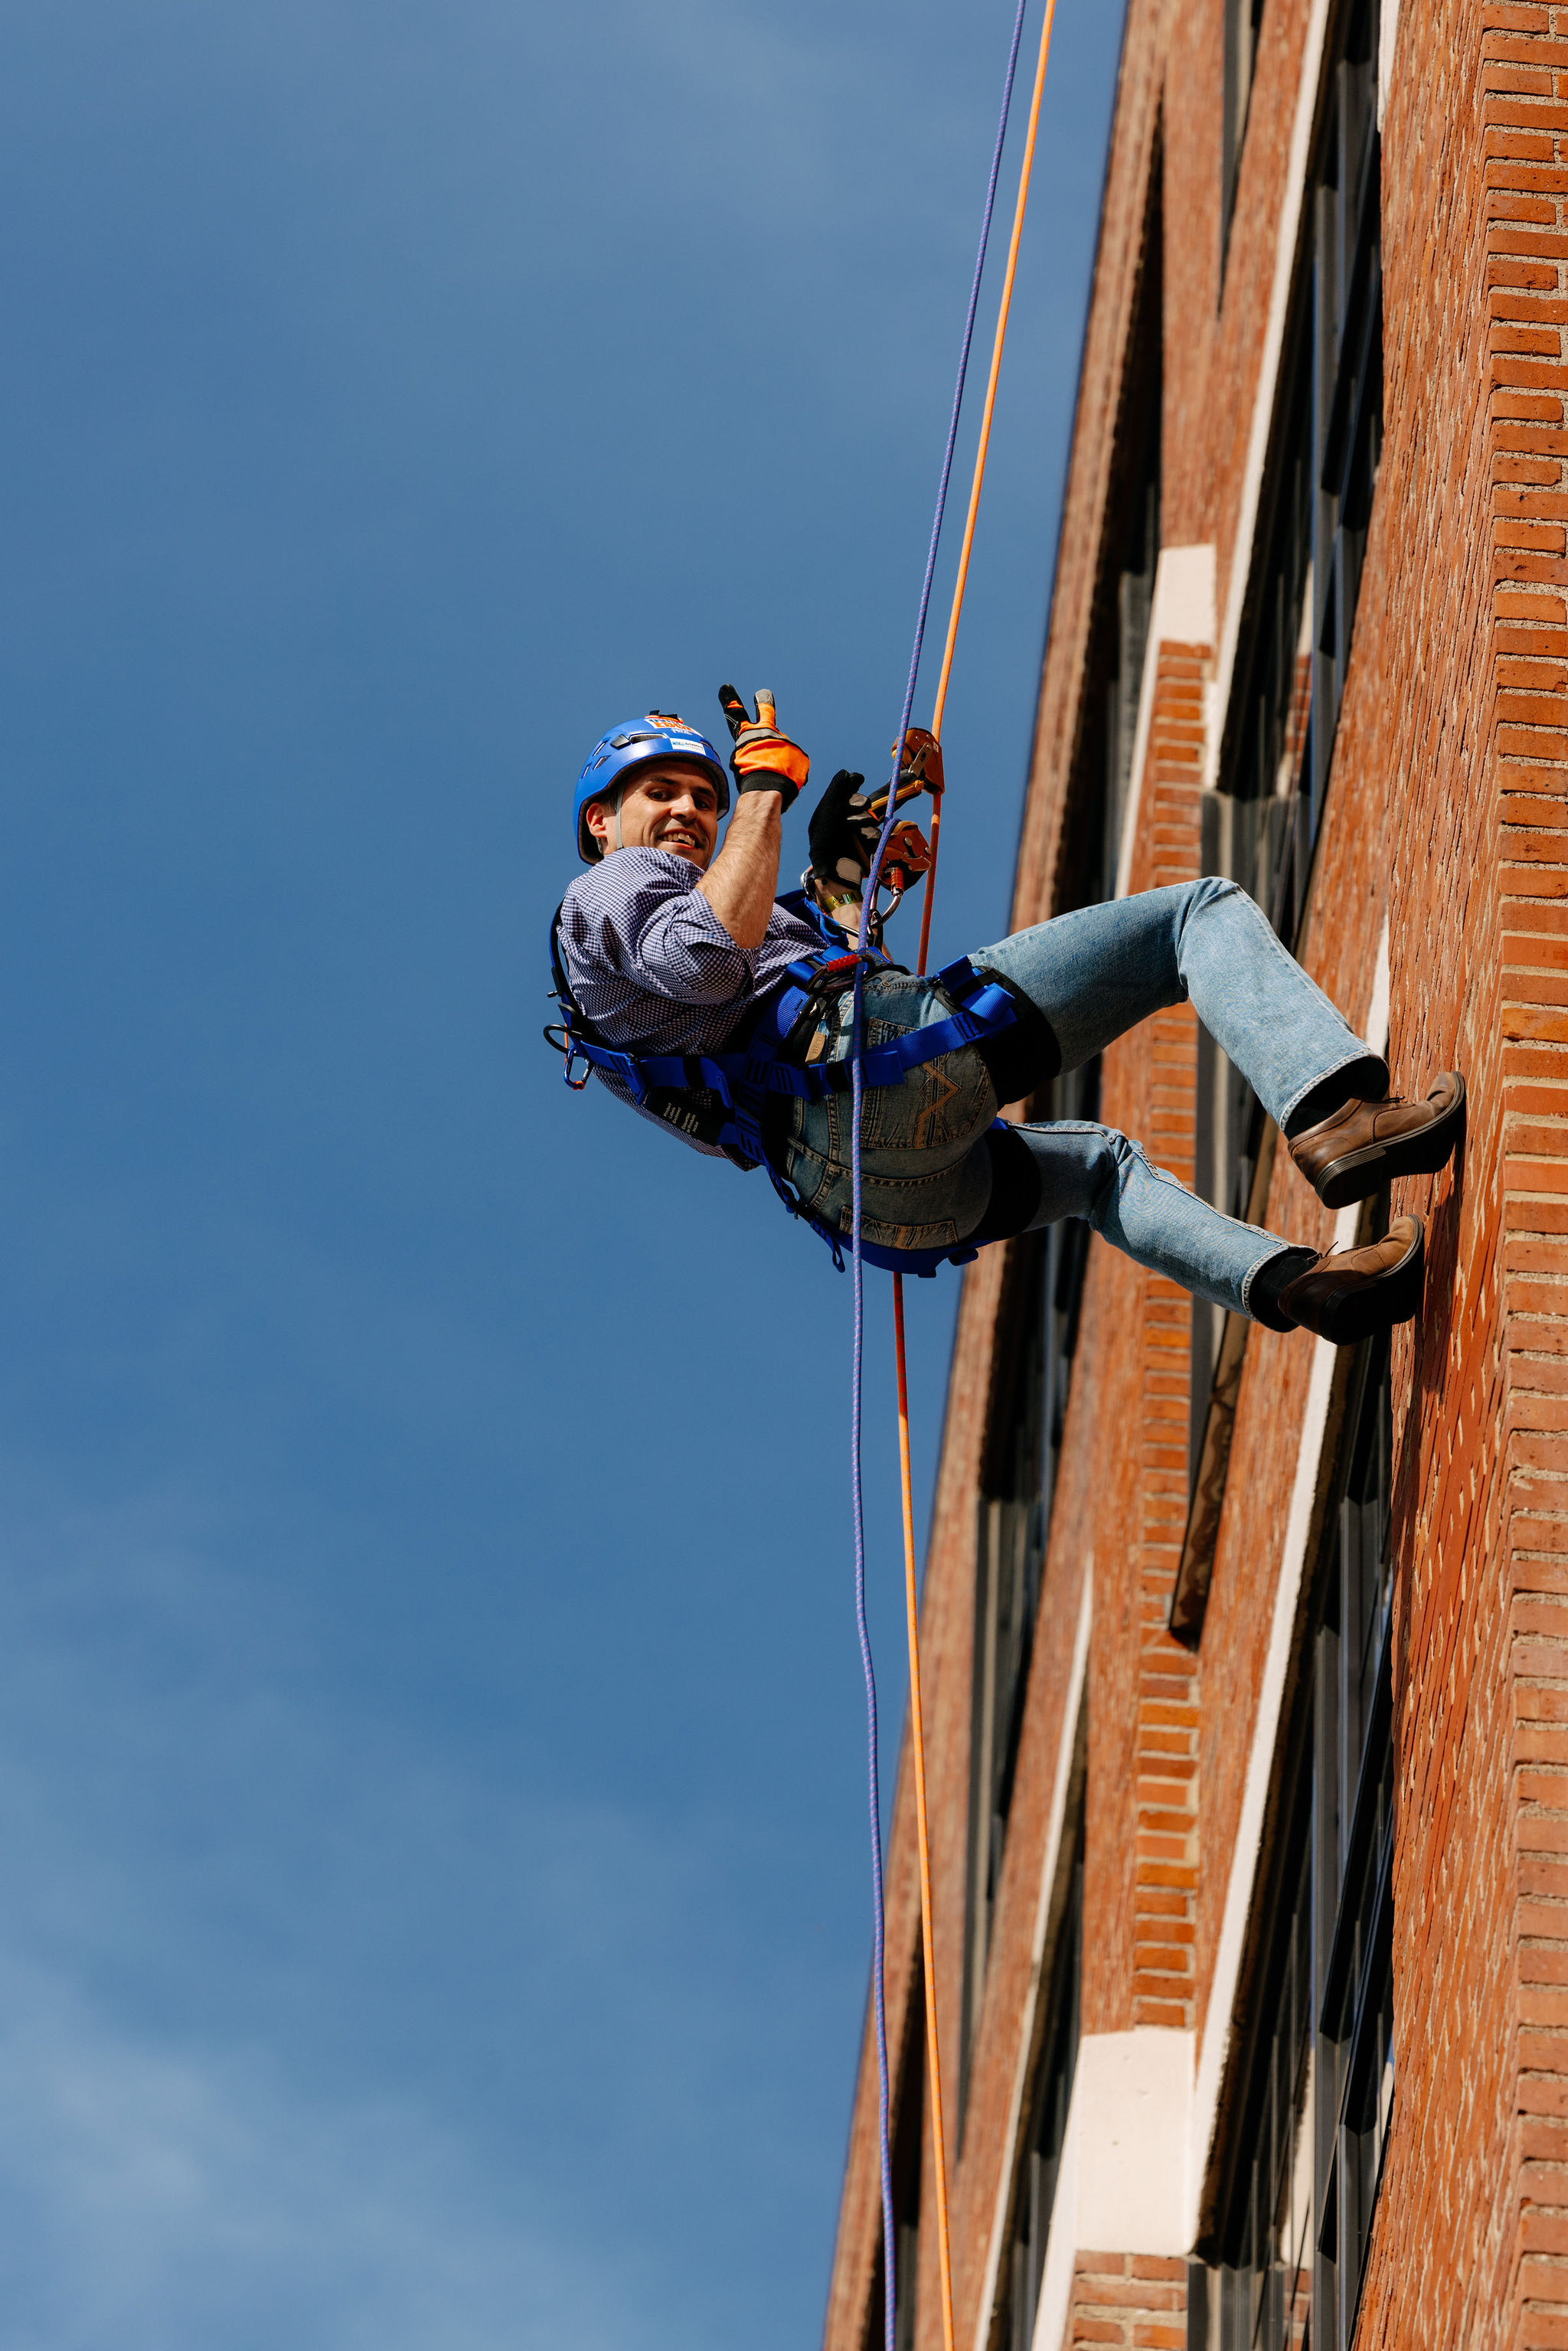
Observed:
{"x":926,"y":1211}
{"x":939,"y":1106}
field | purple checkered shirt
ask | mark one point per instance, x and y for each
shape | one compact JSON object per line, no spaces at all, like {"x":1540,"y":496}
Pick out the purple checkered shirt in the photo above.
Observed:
{"x":654,"y":968}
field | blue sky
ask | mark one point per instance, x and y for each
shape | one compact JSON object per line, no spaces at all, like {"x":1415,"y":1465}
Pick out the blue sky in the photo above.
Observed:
{"x":432,"y":1831}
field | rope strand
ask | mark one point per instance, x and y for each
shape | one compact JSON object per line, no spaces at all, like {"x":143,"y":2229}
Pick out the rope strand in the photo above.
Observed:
{"x":982,"y":451}
{"x":917,"y":1737}
{"x":879,"y":1923}
{"x":858,"y":1089}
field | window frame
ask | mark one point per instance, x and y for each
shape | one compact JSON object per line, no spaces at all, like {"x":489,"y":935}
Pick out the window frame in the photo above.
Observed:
{"x":1047,"y":2103}
{"x":1262,"y":825}
{"x":1243,"y":25}
{"x":1324,"y":1891}
{"x":1031,"y":1387}
{"x":907,"y":2123}
{"x":1037,"y":1325}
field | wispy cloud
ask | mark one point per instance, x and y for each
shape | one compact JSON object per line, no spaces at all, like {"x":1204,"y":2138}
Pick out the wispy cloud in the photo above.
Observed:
{"x":433,"y":1891}
{"x":312,"y":2033}
{"x":153,"y":2199}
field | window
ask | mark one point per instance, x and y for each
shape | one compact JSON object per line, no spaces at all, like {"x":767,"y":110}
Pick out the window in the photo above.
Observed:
{"x":1317,"y":2083}
{"x":1257,"y":826}
{"x":1038,"y":1327}
{"x":1347,"y":338}
{"x":1009,"y":1554}
{"x":1250,"y":832}
{"x":1262,"y":2295}
{"x":1261,"y":827}
{"x":1041,"y":2161}
{"x":1242,"y":20}
{"x":1097,"y":796}
{"x":1327,"y":443}
{"x":1353,"y":1769}
{"x":908,"y":2121}
{"x":1037,"y":1338}
{"x":1130,"y":552}
{"x":1134,"y":593}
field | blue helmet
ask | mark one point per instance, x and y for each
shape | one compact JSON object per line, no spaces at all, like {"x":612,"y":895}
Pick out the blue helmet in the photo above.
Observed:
{"x":658,"y":735}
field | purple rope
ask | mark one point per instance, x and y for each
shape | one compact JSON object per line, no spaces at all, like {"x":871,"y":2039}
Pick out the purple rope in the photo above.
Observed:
{"x":879,"y":1922}
{"x":878,"y":1934}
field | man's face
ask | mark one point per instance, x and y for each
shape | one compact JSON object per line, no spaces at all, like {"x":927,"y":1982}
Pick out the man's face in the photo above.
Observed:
{"x":670,"y":804}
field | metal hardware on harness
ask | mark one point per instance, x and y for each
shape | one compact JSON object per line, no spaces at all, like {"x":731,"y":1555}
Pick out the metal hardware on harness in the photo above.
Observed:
{"x":921,"y":766}
{"x":840,"y":902}
{"x":721,"y":1097}
{"x":905,"y":855}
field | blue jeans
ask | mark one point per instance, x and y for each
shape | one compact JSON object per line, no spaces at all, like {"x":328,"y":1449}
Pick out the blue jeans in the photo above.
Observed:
{"x":1094,"y":974}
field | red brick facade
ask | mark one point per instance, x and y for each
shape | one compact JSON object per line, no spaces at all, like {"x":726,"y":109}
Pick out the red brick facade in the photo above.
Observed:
{"x":1446,"y":826}
{"x":1149,"y":1091}
{"x":1130,"y":2300}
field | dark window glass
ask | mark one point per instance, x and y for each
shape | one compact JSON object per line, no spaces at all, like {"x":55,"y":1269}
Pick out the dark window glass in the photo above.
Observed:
{"x":1347,"y":389}
{"x":1262,"y":828}
{"x":1249,"y":832}
{"x":908,"y":2144}
{"x":1328,"y":439}
{"x":1052,"y":2094}
{"x":1243,"y":19}
{"x":1124,"y":594}
{"x":1037,"y":1338}
{"x":908,"y":2257}
{"x":1038,"y":1327}
{"x":1319,"y":2070}
{"x":1134,"y":599}
{"x":1264,"y":2288}
{"x":1353,"y":1853}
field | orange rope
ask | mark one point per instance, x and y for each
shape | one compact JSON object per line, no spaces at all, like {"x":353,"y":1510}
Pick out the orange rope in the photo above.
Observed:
{"x":917,"y":1742}
{"x":962,"y":581}
{"x":916,"y":1727}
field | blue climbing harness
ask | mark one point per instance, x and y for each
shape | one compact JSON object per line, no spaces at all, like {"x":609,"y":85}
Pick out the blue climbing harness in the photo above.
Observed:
{"x":721,"y":1097}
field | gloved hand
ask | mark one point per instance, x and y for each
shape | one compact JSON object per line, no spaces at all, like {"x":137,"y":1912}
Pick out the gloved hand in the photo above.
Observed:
{"x":844,"y":831}
{"x":763,"y":761}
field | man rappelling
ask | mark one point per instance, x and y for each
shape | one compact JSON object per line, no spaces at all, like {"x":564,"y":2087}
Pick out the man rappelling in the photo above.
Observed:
{"x":708,"y":1002}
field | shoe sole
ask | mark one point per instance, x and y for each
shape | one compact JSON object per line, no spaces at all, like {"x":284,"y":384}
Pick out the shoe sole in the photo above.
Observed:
{"x":1360,"y":1174}
{"x":1394,"y":1297}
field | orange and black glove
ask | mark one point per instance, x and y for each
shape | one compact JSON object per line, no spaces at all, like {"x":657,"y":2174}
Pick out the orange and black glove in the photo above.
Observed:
{"x":763,"y":761}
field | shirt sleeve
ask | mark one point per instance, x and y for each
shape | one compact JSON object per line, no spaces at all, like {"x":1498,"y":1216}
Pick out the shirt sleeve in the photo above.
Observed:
{"x":640,"y":915}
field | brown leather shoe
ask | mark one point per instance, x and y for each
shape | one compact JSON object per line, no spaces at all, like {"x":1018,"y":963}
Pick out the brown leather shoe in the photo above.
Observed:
{"x":1365,"y":1146}
{"x":1351,"y":1293}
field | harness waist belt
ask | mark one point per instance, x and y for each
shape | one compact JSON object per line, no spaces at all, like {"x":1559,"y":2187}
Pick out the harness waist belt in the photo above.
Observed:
{"x":723,"y":1097}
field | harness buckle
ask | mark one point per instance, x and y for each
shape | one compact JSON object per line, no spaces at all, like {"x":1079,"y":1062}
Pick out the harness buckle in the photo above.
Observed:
{"x":560,"y":1039}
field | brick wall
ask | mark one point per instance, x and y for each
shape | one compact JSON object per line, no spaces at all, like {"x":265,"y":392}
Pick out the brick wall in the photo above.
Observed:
{"x":1145,"y":1682}
{"x":1128,"y":2299}
{"x":1449,"y":816}
{"x":1478,"y":443}
{"x":1524,"y":77}
{"x":1121,"y":1496}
